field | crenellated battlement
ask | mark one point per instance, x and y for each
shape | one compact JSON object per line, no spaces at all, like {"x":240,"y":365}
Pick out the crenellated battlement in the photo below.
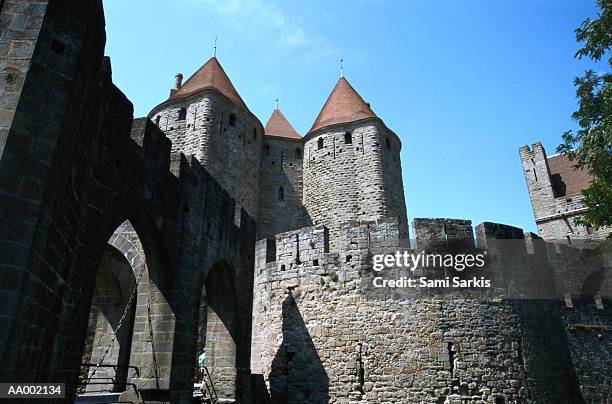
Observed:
{"x":300,"y":253}
{"x":327,"y":284}
{"x":310,"y":243}
{"x":309,"y":247}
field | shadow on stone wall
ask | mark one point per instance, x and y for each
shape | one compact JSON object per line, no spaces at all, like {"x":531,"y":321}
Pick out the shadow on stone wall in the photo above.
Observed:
{"x":297,"y":374}
{"x":221,"y":334}
{"x":548,"y":374}
{"x":109,"y":334}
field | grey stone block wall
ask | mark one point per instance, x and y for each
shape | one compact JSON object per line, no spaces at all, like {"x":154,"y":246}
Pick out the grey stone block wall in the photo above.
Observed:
{"x":392,"y":179}
{"x":442,"y":233}
{"x":73,"y":168}
{"x":586,"y":308}
{"x":360,"y":180}
{"x":44,"y":82}
{"x":110,"y":327}
{"x":20,"y":24}
{"x":587,"y":327}
{"x":281,"y":167}
{"x":231,"y":153}
{"x":554,"y":216}
{"x":317,"y":337}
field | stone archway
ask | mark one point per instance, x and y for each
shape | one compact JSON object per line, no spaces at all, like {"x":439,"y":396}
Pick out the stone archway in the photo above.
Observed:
{"x":219,"y":329}
{"x":111,"y":320}
{"x":154,"y":317}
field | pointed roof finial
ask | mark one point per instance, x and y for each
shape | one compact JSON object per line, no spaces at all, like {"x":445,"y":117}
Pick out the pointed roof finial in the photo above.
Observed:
{"x":276,"y":104}
{"x":343,"y":105}
{"x":279,"y":126}
{"x":211,"y":76}
{"x":215,"y":48}
{"x":341,"y":68}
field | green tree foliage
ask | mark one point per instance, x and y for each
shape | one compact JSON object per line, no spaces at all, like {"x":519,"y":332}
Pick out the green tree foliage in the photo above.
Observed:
{"x":591,"y":146}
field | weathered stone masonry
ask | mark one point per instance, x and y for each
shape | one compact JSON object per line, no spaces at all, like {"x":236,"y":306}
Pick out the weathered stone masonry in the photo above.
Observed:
{"x":556,"y":200}
{"x":70,"y":173}
{"x":317,"y":337}
{"x":281,"y":187}
{"x":352,"y":172}
{"x":226,"y":139}
{"x":89,"y":198}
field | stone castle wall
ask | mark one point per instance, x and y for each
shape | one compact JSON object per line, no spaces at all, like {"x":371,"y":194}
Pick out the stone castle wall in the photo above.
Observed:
{"x":318,"y":338}
{"x":226,"y":139}
{"x":20,"y":24}
{"x":555,"y":216}
{"x":74,"y":166}
{"x":350,"y":174}
{"x":587,"y":328}
{"x":281,"y":167}
{"x":586,"y":311}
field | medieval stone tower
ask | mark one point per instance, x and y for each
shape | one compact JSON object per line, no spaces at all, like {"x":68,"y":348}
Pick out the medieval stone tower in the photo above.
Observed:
{"x":352,"y":166}
{"x":206,"y":118}
{"x":347,"y":168}
{"x":555,"y":190}
{"x":280,"y":193}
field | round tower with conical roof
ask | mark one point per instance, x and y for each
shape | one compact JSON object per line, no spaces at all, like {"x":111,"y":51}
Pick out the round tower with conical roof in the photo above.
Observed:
{"x":280,"y":197}
{"x":205,"y":117}
{"x":352,"y":168}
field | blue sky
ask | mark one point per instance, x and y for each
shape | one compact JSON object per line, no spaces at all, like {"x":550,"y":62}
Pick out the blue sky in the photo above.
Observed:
{"x":463,"y":83}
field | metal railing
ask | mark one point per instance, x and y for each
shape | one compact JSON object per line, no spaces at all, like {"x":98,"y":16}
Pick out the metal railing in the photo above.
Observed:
{"x":210,"y":386}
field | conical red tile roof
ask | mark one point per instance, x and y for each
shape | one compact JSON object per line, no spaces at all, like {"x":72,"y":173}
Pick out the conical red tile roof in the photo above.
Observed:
{"x":343,"y":105}
{"x":211,"y":76}
{"x":279,"y":126}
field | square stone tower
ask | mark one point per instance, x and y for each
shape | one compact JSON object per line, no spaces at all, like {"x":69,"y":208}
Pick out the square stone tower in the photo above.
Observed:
{"x":555,"y":188}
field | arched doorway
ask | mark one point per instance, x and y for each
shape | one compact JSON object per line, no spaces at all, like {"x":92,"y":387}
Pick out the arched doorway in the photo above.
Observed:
{"x":154,"y":319}
{"x":111,"y":321}
{"x":219,"y":328}
{"x":108,"y":344}
{"x":131,"y":321}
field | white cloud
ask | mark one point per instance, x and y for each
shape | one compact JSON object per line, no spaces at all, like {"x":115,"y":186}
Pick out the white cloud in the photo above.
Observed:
{"x":266,"y":22}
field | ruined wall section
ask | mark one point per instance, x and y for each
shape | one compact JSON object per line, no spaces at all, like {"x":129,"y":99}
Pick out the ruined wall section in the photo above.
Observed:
{"x":225,"y":139}
{"x":554,"y":216}
{"x":347,"y":176}
{"x":317,"y":337}
{"x":281,"y":187}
